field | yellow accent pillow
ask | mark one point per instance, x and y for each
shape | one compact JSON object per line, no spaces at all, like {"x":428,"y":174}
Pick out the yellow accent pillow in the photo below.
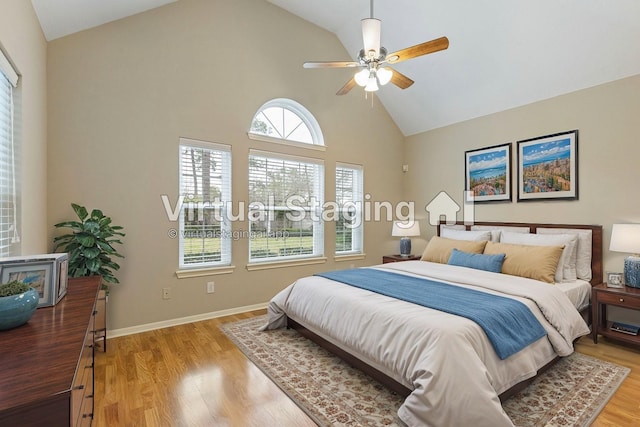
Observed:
{"x":533,"y":262}
{"x":439,"y":248}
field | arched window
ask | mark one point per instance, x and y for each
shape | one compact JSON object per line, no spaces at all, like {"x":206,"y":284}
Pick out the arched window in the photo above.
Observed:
{"x":286,"y":121}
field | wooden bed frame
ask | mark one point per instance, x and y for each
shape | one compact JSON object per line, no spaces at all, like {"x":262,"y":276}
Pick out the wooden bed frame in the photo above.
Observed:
{"x":400,"y":389}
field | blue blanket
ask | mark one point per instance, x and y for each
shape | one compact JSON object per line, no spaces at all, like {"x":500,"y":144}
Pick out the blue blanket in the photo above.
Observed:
{"x":509,"y":324}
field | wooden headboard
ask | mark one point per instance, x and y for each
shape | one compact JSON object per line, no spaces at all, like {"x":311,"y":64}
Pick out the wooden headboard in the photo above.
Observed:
{"x":597,"y":271}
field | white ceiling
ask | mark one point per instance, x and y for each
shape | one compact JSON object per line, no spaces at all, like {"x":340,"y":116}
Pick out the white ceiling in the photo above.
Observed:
{"x":59,"y":18}
{"x":502,"y":53}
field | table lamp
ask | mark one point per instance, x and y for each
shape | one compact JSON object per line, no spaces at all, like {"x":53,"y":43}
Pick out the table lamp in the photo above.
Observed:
{"x":626,"y":238}
{"x":405,"y":229}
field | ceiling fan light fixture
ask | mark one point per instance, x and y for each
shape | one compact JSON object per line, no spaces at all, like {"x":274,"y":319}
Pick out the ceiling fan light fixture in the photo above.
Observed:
{"x":362,"y":77}
{"x":384,"y":75}
{"x":372,"y":84}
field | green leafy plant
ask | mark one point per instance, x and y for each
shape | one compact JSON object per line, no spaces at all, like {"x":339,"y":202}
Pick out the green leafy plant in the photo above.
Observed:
{"x":90,"y":244}
{"x":13,"y":288}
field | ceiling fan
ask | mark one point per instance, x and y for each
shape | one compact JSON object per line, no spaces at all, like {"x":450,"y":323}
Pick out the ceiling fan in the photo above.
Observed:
{"x":374,"y":60}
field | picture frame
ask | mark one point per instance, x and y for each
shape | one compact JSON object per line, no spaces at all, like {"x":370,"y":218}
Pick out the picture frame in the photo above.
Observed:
{"x":615,"y":280}
{"x":37,"y":275}
{"x":488,"y":173}
{"x":548,"y":167}
{"x":31,"y":268}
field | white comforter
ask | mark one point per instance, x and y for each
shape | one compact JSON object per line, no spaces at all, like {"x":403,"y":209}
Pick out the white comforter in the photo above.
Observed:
{"x":446,"y":360}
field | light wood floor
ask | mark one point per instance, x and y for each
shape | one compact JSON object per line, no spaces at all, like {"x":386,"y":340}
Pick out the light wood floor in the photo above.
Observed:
{"x":192,"y":375}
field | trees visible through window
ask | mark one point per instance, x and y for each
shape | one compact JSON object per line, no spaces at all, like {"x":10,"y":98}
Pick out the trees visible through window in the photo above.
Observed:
{"x":286,"y":120}
{"x":285,"y":210}
{"x":205,"y":188}
{"x":349,"y":193}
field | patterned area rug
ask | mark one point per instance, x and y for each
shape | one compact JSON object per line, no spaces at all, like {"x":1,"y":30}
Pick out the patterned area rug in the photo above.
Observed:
{"x":332,"y":393}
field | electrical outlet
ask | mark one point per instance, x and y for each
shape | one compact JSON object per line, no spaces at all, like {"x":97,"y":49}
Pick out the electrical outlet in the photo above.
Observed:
{"x":211,"y":287}
{"x":166,"y":293}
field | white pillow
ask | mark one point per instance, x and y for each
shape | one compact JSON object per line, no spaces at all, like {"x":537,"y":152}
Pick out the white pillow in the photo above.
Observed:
{"x":566,"y":269}
{"x":453,"y":227}
{"x":480,"y":236}
{"x":583,"y":250}
{"x":497,"y":229}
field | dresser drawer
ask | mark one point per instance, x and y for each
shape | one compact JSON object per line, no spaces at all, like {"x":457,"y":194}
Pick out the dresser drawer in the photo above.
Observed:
{"x":619,"y":299}
{"x":82,"y":390}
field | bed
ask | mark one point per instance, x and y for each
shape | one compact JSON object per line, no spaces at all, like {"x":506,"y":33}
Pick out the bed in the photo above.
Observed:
{"x":440,"y":361}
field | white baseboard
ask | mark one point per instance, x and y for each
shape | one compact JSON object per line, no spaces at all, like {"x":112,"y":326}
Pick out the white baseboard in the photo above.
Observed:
{"x":182,"y":320}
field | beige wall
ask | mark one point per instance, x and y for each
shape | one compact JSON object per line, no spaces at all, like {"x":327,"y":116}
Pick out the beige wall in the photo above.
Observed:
{"x":122,"y":94}
{"x":22,"y":40}
{"x":608,"y":155}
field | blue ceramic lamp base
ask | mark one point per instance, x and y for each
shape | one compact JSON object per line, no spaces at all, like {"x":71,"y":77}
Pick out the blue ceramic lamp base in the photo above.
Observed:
{"x":632,"y":271}
{"x":405,"y":246}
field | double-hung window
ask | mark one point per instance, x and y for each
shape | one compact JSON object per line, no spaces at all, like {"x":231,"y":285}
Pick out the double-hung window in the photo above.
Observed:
{"x":9,"y":236}
{"x":286,"y":194}
{"x":205,"y":195}
{"x":349,"y":195}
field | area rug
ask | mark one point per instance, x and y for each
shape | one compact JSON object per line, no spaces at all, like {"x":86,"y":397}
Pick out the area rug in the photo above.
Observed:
{"x":332,"y":393}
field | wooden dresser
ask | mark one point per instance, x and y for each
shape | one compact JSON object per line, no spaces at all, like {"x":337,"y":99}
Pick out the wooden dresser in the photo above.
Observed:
{"x":46,"y":365}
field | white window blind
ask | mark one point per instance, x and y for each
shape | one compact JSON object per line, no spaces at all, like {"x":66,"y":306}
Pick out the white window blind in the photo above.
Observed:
{"x":349,"y":199}
{"x":205,"y":185}
{"x":286,"y":194}
{"x":8,"y":157}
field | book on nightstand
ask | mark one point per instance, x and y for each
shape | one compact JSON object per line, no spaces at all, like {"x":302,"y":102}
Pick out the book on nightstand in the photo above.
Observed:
{"x":625,"y":328}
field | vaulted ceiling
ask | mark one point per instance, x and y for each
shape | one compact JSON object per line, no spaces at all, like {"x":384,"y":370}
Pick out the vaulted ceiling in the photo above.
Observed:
{"x":502,"y":53}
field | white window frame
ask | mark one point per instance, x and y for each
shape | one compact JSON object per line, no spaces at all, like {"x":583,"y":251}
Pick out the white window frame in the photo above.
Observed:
{"x":9,"y":162}
{"x":357,"y":200}
{"x":303,"y":114}
{"x":315,"y":211}
{"x":224,"y":203}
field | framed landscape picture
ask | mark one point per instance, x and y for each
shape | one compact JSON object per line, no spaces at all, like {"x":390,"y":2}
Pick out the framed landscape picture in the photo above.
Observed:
{"x":488,"y":173}
{"x":35,"y":274}
{"x":548,"y":167}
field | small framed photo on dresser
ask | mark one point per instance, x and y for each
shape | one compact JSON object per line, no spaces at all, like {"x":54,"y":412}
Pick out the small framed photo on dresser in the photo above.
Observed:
{"x":46,"y":273}
{"x":36,"y":275}
{"x":615,"y":280}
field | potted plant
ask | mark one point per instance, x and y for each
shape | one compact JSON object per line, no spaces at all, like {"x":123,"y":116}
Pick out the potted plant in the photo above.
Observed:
{"x":90,"y":245}
{"x":18,"y":302}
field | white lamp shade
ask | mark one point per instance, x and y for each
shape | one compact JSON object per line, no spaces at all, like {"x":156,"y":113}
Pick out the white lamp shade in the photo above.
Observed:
{"x":384,"y":75}
{"x":362,"y":77}
{"x":625,"y":238}
{"x":405,"y":228}
{"x":372,"y":84}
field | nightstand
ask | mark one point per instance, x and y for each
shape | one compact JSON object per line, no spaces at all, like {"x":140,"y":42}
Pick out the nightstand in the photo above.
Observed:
{"x":601,"y":297}
{"x":399,"y":258}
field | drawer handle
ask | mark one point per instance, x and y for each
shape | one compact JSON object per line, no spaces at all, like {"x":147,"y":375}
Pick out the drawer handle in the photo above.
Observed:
{"x":89,"y":366}
{"x":621,"y":299}
{"x":80,"y":387}
{"x":89,"y":346}
{"x":89,"y":396}
{"x":87,"y":415}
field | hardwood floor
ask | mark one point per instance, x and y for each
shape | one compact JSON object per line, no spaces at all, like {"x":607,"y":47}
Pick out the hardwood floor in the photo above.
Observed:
{"x":192,"y":375}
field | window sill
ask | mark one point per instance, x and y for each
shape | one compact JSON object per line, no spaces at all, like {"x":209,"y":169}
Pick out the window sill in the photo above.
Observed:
{"x":257,"y":137}
{"x":349,"y":257}
{"x":268,"y":265}
{"x":200,"y":272}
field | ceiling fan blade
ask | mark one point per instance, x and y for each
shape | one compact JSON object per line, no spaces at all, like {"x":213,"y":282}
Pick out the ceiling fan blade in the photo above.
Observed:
{"x":400,"y":79}
{"x":418,"y":50}
{"x":371,"y":29}
{"x":347,"y":87}
{"x":331,"y":64}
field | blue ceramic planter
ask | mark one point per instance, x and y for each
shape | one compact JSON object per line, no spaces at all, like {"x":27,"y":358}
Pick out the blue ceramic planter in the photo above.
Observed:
{"x":16,"y":310}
